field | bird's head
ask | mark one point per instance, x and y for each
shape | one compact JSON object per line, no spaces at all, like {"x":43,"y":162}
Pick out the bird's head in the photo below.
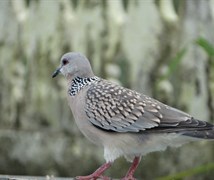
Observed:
{"x":73,"y":65}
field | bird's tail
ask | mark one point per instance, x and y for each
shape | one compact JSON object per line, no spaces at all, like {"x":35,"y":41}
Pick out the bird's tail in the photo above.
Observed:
{"x":201,"y":133}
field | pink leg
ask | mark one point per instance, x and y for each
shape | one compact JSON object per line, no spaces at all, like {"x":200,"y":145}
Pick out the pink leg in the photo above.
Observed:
{"x":130,"y":173}
{"x":98,"y":173}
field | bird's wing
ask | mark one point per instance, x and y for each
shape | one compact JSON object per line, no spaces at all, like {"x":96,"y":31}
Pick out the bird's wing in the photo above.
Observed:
{"x":113,"y":108}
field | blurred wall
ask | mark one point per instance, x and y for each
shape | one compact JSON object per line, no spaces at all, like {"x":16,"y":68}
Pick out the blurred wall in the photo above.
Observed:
{"x":163,"y":48}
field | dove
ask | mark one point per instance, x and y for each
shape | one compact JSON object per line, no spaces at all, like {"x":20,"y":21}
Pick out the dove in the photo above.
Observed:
{"x":122,"y":121}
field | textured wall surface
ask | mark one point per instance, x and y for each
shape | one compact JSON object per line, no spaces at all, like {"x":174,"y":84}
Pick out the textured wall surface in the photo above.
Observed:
{"x":162,"y":48}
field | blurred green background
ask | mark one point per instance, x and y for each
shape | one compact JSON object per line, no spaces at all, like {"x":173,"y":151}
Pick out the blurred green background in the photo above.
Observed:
{"x":163,"y":48}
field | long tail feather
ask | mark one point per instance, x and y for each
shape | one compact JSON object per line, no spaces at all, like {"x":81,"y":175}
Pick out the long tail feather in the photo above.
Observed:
{"x":203,"y":134}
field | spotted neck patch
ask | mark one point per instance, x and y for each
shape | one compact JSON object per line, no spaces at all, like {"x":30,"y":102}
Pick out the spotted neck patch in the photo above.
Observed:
{"x":78,"y":83}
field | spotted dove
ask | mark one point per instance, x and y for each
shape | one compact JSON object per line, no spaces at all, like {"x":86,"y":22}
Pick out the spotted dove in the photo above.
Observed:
{"x":123,"y":121}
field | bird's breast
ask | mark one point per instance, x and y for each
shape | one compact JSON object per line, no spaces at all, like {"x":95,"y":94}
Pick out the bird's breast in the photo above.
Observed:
{"x":76,"y":104}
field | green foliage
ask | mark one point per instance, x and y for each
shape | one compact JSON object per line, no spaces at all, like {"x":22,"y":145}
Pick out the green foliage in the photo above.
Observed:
{"x":208,"y":47}
{"x":191,"y":172}
{"x":174,"y":63}
{"x":164,"y":81}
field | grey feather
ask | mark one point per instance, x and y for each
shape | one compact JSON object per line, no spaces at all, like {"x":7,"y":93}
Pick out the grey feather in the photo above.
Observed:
{"x":129,"y":111}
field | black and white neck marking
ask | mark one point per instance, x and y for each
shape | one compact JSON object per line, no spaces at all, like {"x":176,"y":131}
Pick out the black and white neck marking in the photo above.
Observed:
{"x":78,"y":83}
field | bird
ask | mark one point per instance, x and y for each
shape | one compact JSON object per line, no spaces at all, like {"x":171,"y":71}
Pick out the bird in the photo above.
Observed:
{"x":123,"y":121}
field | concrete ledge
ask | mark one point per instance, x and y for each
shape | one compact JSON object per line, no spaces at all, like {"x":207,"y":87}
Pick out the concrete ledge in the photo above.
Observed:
{"x":14,"y":177}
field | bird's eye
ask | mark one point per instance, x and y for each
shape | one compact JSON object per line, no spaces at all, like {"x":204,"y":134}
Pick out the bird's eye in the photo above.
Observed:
{"x":64,"y":62}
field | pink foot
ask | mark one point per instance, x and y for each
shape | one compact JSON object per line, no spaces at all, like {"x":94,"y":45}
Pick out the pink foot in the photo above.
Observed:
{"x":97,"y":174}
{"x":130,"y":173}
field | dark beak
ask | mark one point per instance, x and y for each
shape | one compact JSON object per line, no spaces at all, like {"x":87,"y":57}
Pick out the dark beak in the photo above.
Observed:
{"x":56,"y":72}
